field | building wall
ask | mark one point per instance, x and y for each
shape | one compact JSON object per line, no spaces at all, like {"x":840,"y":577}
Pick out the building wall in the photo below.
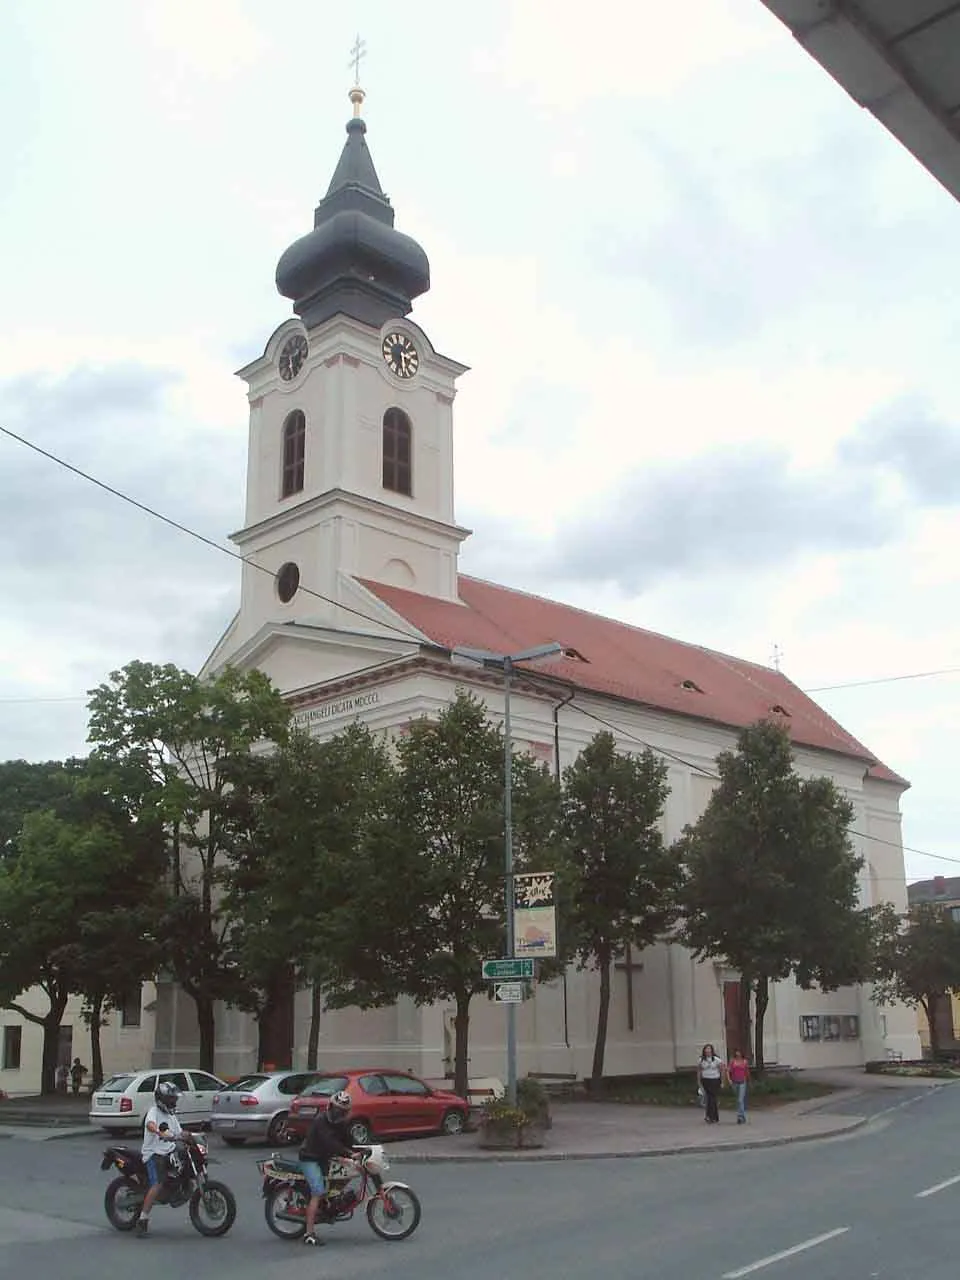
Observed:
{"x":678,"y":1003}
{"x":123,"y":1048}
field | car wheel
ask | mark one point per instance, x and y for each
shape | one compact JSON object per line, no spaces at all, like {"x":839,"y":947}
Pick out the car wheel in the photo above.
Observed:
{"x":360,"y":1133}
{"x":453,"y":1122}
{"x":277,"y":1129}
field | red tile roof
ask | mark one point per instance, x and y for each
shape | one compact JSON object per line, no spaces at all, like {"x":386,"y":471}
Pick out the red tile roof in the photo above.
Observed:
{"x":625,"y":662}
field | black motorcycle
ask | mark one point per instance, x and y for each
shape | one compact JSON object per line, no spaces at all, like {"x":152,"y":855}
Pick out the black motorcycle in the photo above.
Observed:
{"x":212,"y":1204}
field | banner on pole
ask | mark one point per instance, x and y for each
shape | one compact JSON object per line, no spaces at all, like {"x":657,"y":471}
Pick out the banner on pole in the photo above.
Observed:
{"x":534,"y":915}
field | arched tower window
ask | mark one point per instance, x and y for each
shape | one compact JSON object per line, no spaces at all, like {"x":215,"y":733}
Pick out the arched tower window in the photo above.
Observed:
{"x":294,"y":446}
{"x":397,"y":452}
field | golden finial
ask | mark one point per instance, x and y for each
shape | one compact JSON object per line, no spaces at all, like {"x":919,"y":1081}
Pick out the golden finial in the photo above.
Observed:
{"x":357,"y":95}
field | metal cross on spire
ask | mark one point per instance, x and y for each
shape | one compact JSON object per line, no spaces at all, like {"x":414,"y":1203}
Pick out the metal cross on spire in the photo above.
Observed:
{"x":358,"y":51}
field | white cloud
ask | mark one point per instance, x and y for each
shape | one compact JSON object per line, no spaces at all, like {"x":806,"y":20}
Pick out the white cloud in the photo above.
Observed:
{"x":660,"y":236}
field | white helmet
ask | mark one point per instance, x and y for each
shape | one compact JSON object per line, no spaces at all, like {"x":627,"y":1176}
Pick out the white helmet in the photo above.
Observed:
{"x":339,"y":1105}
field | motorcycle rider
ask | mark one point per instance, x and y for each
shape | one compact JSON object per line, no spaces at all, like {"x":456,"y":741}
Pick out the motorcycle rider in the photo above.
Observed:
{"x":159,"y":1131}
{"x":327,"y":1137}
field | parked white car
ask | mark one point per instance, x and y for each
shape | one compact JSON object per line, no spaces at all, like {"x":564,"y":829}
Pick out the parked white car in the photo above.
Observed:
{"x":122,"y":1102}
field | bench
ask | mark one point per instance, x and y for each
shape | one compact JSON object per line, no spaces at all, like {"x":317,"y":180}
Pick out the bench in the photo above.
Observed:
{"x":558,"y":1084}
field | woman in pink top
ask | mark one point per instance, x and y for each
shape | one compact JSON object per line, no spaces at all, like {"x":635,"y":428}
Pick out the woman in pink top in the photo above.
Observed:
{"x":738,"y":1073}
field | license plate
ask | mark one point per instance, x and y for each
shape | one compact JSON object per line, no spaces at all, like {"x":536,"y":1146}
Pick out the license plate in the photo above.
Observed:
{"x":225,"y":1124}
{"x":307,"y":1111}
{"x":104,"y":1101}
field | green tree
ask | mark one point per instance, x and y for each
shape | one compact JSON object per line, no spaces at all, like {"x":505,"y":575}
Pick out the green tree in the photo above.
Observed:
{"x":29,"y":787}
{"x":82,"y":879}
{"x":299,"y":892}
{"x":436,"y":900}
{"x":771,"y":877}
{"x":620,"y":879}
{"x":55,"y":881}
{"x":189,"y":737}
{"x":918,"y":961}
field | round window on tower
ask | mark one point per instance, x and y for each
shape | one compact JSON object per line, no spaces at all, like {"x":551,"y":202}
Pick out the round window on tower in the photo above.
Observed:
{"x":288,"y":580}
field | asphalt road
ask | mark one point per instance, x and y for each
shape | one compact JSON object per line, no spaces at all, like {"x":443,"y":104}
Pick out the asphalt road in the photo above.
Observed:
{"x":880,"y":1204}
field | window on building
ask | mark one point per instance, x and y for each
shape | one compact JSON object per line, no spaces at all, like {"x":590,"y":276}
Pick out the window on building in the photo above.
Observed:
{"x":294,"y":448}
{"x":130,"y":1009}
{"x":397,"y":452}
{"x":12,"y":1041}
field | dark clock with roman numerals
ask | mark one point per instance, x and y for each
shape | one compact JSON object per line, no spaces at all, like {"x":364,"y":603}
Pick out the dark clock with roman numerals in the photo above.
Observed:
{"x":292,"y":355}
{"x":401,"y":355}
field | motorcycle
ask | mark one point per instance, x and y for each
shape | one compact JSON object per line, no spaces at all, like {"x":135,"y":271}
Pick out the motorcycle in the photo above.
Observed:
{"x":213,"y":1207}
{"x":393,"y":1210}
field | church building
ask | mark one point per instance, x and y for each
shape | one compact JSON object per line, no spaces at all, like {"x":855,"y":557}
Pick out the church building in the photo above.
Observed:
{"x":352,"y":603}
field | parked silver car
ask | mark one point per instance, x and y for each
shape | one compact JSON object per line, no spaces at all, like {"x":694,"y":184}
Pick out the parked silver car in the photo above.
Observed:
{"x":257,"y":1106}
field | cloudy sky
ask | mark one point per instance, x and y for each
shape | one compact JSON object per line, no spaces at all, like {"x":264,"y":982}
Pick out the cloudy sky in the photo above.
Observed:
{"x":709,"y":308}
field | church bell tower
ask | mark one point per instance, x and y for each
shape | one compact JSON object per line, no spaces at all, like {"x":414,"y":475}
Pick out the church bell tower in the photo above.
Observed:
{"x":350,"y":466}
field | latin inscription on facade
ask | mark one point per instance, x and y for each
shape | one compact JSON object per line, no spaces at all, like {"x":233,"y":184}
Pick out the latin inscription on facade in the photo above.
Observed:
{"x":357,"y":702}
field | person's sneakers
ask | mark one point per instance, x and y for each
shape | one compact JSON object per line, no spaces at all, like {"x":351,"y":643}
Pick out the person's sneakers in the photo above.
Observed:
{"x":311,"y":1239}
{"x":143,"y":1226}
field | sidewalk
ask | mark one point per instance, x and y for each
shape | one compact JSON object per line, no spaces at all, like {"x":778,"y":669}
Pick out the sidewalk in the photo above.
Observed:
{"x":585,"y":1130}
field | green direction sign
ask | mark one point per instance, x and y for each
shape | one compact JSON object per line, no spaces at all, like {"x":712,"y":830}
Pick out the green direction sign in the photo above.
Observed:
{"x":494,"y":970}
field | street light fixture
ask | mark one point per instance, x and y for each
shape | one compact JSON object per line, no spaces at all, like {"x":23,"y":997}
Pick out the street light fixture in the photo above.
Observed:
{"x":506,"y":662}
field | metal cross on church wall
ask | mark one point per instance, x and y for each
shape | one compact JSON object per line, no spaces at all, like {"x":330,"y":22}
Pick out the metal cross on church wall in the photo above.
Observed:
{"x":358,"y":51}
{"x":629,"y":967}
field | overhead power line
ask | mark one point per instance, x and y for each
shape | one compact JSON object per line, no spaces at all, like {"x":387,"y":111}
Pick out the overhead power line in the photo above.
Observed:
{"x":860,"y":684}
{"x":192,"y":533}
{"x":309,"y":591}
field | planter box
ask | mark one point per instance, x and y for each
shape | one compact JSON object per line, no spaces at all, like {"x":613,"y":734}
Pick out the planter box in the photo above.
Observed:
{"x":507,"y":1137}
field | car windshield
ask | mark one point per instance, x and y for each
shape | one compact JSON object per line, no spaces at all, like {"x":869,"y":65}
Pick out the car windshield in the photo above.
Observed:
{"x":248,"y":1083}
{"x":116,"y":1084}
{"x":327,"y":1085}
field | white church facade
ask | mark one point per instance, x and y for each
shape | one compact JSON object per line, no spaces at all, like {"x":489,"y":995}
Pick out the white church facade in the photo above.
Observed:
{"x":351,"y":602}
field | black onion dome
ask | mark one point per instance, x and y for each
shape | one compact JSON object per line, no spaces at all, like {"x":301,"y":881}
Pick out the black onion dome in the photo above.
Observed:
{"x":353,"y":261}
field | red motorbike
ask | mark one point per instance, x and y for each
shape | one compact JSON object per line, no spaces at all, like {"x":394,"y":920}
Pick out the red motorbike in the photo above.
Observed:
{"x":393,"y":1210}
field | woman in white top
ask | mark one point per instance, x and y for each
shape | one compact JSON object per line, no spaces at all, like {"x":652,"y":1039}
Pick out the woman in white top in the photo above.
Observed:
{"x":710,"y":1076}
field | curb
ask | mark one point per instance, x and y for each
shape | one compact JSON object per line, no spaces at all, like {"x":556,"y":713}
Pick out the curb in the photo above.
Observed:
{"x":849,"y":1125}
{"x":541,"y":1155}
{"x":37,"y":1133}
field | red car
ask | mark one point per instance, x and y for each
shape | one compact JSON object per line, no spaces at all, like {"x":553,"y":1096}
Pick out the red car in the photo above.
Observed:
{"x":386,"y":1104}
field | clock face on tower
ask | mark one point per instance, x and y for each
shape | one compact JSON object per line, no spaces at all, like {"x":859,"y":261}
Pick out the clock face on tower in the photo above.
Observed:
{"x":400,"y":354}
{"x":292,"y":355}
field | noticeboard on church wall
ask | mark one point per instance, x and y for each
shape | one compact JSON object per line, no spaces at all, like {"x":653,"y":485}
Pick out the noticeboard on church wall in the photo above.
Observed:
{"x":534,"y":915}
{"x":810,"y":1026}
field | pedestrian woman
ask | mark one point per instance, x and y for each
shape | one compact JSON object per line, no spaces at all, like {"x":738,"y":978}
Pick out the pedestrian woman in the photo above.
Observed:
{"x":710,"y":1077}
{"x":738,"y":1073}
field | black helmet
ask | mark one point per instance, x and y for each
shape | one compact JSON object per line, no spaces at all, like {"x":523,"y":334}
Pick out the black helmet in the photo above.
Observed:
{"x":166,"y":1095}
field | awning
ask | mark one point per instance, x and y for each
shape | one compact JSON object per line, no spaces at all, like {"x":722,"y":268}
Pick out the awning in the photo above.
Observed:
{"x":900,"y":59}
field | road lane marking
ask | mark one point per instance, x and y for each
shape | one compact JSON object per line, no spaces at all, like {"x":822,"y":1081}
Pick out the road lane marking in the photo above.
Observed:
{"x":940,"y":1186}
{"x":786,"y":1253}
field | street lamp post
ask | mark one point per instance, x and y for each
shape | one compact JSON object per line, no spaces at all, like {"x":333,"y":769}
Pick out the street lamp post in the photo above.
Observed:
{"x":506,"y":662}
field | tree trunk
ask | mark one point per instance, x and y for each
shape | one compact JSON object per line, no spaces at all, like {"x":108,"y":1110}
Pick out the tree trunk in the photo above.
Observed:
{"x":603,"y":1018}
{"x":933,"y":1024}
{"x":313,"y":1040}
{"x":51,"y":1044}
{"x":763,"y":999}
{"x":206,"y":1022}
{"x":96,"y":1051}
{"x":461,"y":1026}
{"x":275,"y":1032}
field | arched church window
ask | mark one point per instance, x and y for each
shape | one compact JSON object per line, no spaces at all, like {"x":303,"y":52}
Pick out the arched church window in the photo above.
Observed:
{"x":294,"y":448}
{"x":397,"y":452}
